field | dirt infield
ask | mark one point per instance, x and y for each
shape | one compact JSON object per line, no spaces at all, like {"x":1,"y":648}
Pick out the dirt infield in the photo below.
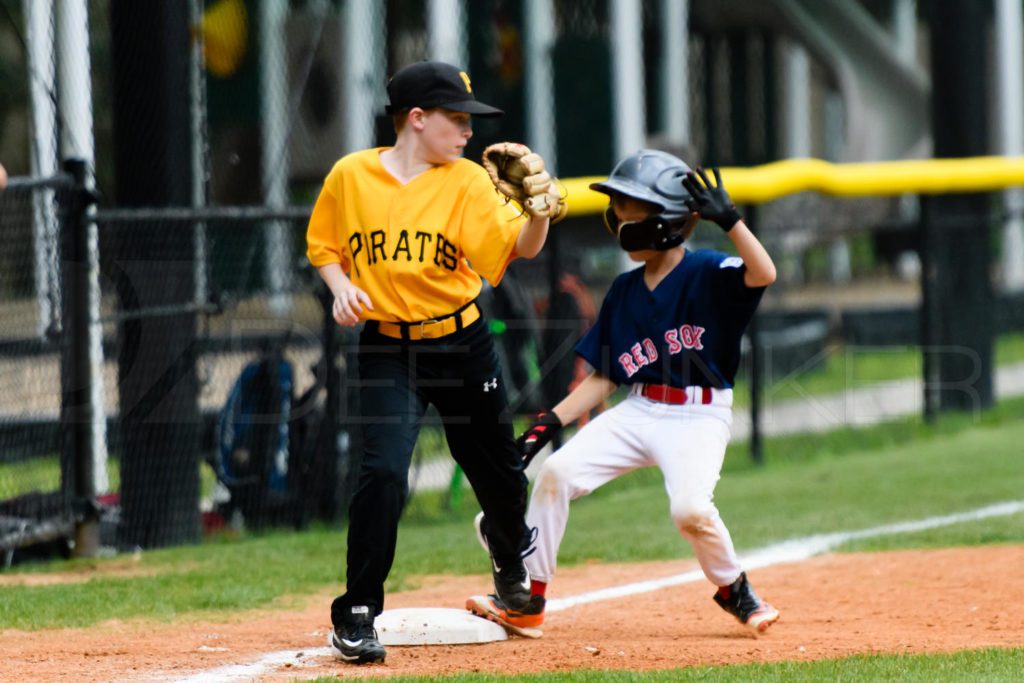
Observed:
{"x":832,"y":606}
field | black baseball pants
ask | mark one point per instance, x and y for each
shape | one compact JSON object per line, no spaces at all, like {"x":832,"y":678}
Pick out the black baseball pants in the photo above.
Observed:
{"x":461,"y":376}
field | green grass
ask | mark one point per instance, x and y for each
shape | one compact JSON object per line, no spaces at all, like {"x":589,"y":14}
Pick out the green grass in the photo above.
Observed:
{"x":843,"y":480}
{"x":838,"y":369}
{"x":841,"y":368}
{"x":867,"y":477}
{"x":43,"y":474}
{"x":223,"y":574}
{"x":979,"y":665}
{"x":1010,"y":348}
{"x":38,"y":474}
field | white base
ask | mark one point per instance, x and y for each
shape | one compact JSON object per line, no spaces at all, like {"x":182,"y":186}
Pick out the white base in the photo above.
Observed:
{"x":435,"y":626}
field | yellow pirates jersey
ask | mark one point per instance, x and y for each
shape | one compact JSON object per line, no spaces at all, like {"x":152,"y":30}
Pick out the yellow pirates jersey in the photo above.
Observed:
{"x":409,"y":247}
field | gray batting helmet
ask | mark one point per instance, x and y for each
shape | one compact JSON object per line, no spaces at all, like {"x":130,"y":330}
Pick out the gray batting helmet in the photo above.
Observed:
{"x":657,"y":177}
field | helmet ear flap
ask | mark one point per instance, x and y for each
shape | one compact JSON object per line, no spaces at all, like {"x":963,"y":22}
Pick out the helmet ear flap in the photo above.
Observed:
{"x":611,"y":221}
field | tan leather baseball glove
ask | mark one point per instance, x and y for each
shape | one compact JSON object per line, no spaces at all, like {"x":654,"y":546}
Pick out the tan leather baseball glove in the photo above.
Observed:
{"x":519,"y":174}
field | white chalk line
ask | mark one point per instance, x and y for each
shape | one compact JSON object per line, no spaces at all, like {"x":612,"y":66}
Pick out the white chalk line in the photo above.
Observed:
{"x":794,"y":550}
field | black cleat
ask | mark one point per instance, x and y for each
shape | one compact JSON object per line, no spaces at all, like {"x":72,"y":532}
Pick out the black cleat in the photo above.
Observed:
{"x":742,"y":602}
{"x":525,"y":623}
{"x":356,"y":640}
{"x":511,"y":580}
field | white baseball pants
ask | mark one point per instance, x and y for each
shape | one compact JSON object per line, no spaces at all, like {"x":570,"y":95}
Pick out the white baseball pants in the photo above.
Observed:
{"x":687,"y":442}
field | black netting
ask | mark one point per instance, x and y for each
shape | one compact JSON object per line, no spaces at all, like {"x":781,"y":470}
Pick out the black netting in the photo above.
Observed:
{"x":35,"y":502}
{"x":207,"y":315}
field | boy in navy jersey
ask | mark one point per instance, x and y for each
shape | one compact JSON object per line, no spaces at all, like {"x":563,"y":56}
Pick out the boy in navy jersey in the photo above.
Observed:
{"x":671,"y":330}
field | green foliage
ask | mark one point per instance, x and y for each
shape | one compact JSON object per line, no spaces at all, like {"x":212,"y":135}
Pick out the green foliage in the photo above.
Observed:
{"x":862,"y":254}
{"x":816,"y":262}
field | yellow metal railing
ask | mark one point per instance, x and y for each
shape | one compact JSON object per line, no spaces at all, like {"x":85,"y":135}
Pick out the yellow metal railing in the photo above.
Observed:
{"x":770,"y":181}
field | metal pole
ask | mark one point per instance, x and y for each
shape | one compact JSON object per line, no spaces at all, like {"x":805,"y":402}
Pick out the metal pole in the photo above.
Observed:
{"x":75,"y":84}
{"x":1010,"y":108}
{"x":628,"y":109}
{"x":756,"y":391}
{"x":796,"y":98}
{"x":363,"y":75}
{"x":77,"y":410}
{"x":539,"y":41}
{"x":930,"y":318}
{"x":446,"y":22}
{"x":75,"y":105}
{"x":904,"y":28}
{"x":42,"y":87}
{"x":960,"y":124}
{"x":839,"y":271}
{"x":629,"y":115}
{"x":274,"y":161}
{"x":197,"y":98}
{"x":675,"y":73}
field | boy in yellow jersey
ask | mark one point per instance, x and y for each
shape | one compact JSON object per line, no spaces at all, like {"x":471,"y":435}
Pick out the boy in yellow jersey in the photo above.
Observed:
{"x":402,"y":236}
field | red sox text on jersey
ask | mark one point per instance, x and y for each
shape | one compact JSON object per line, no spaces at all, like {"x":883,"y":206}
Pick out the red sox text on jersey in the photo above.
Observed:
{"x":645,"y":352}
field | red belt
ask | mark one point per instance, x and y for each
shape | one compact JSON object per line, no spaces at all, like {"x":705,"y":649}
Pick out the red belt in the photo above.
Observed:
{"x":677,"y":396}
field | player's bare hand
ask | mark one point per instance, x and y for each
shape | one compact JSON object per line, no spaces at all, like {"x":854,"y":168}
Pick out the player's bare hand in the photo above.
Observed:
{"x":711,"y":201}
{"x":349,"y":304}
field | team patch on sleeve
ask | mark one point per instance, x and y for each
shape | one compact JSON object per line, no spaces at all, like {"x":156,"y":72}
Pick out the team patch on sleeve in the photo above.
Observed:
{"x":731,"y":262}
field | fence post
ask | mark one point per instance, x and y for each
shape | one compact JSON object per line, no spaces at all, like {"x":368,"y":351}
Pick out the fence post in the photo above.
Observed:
{"x":76,"y":404}
{"x":756,"y":442}
{"x":931,"y":317}
{"x":959,"y":233}
{"x":756,"y":437}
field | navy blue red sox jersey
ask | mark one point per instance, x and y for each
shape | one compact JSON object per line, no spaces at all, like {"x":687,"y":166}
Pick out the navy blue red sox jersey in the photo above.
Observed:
{"x":686,"y":332}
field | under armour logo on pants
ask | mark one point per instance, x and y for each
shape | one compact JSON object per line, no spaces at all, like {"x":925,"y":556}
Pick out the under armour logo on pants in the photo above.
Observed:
{"x":492,"y":383}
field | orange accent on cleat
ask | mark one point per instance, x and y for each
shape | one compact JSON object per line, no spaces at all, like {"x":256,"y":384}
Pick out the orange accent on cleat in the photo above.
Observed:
{"x":763,"y":617}
{"x":521,"y":623}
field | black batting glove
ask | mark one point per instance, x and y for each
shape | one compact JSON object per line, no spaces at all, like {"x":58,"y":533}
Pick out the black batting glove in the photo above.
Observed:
{"x":545,"y":426}
{"x":711,"y":201}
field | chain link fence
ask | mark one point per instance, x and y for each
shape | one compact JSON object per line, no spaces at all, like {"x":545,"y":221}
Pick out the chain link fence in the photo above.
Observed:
{"x":201,"y":382}
{"x":225,"y":401}
{"x":35,"y":508}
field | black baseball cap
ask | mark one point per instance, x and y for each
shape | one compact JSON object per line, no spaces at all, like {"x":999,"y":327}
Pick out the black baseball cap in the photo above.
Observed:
{"x":434,"y":84}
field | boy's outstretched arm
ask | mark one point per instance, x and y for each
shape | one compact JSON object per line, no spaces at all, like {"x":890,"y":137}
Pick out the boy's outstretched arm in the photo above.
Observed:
{"x":547,"y":424}
{"x":587,"y":394}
